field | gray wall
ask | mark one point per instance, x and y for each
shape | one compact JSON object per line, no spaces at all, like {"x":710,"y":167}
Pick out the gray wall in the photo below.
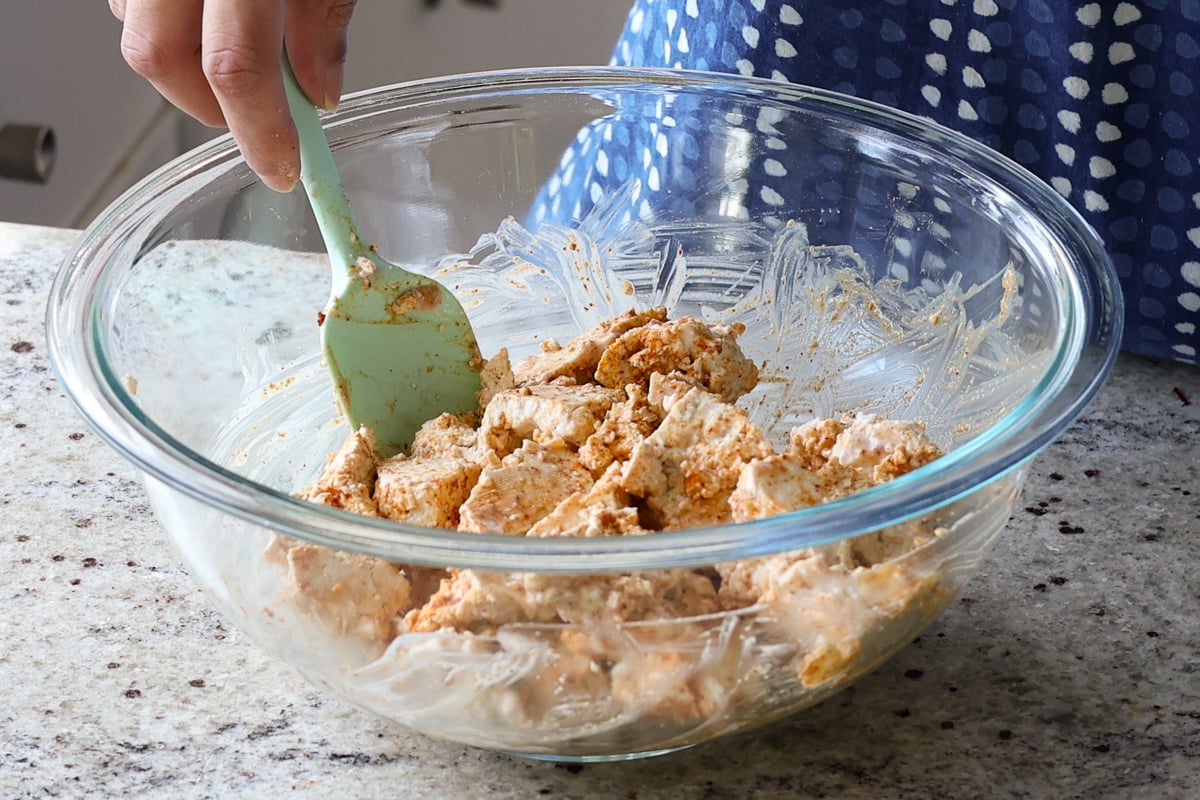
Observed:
{"x":60,"y":66}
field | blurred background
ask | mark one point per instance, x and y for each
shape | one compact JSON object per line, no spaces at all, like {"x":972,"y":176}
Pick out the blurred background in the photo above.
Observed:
{"x":70,"y":107}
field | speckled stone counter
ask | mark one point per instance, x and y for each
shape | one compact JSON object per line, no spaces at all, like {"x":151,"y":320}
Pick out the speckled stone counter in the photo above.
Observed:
{"x":1069,"y":668}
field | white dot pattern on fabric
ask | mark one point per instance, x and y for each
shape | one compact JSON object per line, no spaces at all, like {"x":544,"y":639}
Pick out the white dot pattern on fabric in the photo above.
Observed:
{"x":1120,"y":52}
{"x":1093,"y":201}
{"x":1099,"y":99}
{"x":1107,"y":132}
{"x":1114,"y":94}
{"x":1101,"y":167}
{"x":1077,"y":87}
{"x":978,"y":42}
{"x":1089,"y":15}
{"x":1070,"y":120}
{"x":1191,"y":273}
{"x":771,"y":197}
{"x":1126,"y":13}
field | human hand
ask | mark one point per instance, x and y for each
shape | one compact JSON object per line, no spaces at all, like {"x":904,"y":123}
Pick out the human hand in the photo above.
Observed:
{"x":219,"y":61}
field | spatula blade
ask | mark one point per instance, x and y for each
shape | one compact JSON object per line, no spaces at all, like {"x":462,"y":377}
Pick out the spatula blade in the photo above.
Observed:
{"x":394,"y":375}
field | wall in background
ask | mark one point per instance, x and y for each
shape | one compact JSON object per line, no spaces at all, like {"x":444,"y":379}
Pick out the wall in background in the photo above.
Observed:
{"x":60,"y":66}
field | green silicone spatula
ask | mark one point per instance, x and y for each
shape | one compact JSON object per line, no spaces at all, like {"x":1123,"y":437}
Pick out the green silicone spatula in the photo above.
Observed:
{"x":399,"y":346}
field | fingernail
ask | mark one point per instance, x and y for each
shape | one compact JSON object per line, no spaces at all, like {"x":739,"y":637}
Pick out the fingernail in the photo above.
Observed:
{"x":285,"y":180}
{"x":333,"y":87}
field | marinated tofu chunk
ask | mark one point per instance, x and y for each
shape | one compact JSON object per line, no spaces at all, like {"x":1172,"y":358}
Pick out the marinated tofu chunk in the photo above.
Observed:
{"x":477,"y":602}
{"x":525,"y":486}
{"x":483,"y":602}
{"x":883,"y":448}
{"x":706,"y":356}
{"x":604,"y":509}
{"x":826,"y":460}
{"x":686,"y":470}
{"x":446,"y":436}
{"x":353,"y":593}
{"x":774,"y":485}
{"x":625,"y":425}
{"x":577,"y":360}
{"x":425,"y":492}
{"x":349,"y":478}
{"x":564,"y":411}
{"x":495,"y":377}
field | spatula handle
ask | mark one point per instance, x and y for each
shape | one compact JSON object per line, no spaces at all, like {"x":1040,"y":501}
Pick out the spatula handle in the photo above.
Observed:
{"x":319,"y":175}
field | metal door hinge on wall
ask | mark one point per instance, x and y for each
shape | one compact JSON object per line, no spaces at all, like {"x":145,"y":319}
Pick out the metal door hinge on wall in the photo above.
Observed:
{"x":26,"y":152}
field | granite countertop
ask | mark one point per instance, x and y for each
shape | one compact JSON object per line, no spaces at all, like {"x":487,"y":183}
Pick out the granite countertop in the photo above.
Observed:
{"x":1068,"y":668}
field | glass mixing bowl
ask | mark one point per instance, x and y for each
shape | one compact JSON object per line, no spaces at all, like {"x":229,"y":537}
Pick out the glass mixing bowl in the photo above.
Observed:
{"x":912,"y":273}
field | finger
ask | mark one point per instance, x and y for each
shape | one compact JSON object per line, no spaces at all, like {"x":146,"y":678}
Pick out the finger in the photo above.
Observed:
{"x":117,"y":7}
{"x":315,"y":32}
{"x":242,"y":47}
{"x":160,"y":41}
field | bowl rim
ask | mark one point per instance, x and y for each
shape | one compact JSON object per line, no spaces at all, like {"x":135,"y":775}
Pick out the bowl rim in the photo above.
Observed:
{"x":1079,"y":368}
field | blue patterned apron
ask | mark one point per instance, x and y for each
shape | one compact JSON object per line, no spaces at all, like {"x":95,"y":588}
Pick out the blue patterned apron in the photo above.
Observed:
{"x":1099,"y":99}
